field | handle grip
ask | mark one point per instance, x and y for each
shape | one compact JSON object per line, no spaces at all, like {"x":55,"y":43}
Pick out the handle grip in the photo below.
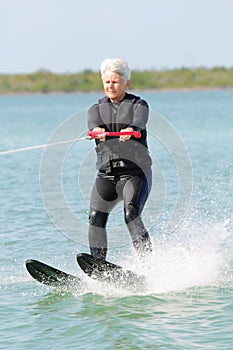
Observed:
{"x":96,"y":134}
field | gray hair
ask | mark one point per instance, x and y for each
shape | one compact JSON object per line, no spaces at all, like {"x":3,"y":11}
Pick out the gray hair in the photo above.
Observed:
{"x":116,"y":65}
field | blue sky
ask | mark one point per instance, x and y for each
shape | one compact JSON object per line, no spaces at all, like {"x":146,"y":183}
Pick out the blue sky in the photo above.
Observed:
{"x":73,"y":35}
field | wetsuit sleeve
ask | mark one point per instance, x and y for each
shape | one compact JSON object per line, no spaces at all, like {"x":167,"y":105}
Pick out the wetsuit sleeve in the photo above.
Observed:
{"x":141,"y":113}
{"x":94,"y":119}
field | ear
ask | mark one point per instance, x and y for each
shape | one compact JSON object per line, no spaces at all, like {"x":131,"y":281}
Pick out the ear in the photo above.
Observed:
{"x":127,"y":85}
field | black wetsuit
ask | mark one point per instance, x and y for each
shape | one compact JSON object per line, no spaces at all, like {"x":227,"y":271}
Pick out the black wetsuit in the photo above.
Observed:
{"x":124,"y":172}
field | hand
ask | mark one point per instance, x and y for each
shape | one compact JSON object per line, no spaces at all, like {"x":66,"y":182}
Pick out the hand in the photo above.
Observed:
{"x":101,"y":130}
{"x":125,"y":137}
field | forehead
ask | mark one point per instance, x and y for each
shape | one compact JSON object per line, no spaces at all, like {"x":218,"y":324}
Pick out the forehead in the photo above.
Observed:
{"x":109,"y":75}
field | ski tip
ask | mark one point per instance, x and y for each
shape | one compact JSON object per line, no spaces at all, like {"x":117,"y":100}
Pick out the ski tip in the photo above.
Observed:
{"x":30,"y":261}
{"x":84,"y":255}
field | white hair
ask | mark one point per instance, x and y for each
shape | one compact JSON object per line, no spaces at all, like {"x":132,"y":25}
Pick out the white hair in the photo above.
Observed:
{"x":116,"y":65}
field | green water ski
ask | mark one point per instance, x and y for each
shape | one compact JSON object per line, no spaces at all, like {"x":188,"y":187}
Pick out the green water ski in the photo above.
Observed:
{"x":106,"y":271}
{"x":49,"y":275}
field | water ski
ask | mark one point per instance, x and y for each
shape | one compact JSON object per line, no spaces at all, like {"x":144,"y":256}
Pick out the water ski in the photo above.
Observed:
{"x":108,"y":272}
{"x":49,"y":275}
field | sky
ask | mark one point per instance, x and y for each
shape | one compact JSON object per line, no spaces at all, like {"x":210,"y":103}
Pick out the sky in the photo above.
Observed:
{"x":67,"y":36}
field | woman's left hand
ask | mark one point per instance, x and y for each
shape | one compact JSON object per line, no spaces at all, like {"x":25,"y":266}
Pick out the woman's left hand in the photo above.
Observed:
{"x":125,"y":137}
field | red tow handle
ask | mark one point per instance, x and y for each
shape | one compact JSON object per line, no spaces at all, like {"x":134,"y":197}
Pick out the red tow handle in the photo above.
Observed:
{"x":97,"y":134}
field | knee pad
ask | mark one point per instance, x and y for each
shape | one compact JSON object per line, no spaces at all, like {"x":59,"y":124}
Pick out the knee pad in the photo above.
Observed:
{"x":131,"y":213}
{"x":98,"y":218}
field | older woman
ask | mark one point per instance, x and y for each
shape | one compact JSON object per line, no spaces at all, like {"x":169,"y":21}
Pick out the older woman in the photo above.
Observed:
{"x":123,"y":162}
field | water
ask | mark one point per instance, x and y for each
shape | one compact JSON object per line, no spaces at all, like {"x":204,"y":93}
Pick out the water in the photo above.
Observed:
{"x":187,"y":303}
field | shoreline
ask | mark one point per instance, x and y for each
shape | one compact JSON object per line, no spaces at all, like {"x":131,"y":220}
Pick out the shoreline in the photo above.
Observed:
{"x":79,"y":92}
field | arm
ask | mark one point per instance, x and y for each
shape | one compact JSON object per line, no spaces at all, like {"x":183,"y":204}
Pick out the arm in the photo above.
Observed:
{"x":94,"y":120}
{"x":141,"y":114}
{"x":140,"y":118}
{"x":93,"y":116}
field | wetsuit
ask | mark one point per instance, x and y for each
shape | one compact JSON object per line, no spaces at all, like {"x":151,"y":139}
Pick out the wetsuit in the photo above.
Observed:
{"x":124,"y":172}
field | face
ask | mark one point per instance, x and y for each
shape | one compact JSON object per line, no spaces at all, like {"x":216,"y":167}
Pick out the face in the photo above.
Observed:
{"x":114,"y":86}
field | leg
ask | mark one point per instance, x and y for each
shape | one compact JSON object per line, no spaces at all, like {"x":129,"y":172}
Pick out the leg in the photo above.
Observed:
{"x":97,"y":233}
{"x":103,"y":199}
{"x":135,"y":194}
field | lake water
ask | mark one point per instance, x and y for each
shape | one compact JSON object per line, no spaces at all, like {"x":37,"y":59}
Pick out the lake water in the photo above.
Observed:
{"x":188,"y":300}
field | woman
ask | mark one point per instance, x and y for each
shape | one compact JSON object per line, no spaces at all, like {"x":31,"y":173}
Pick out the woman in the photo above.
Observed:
{"x":124,"y":164}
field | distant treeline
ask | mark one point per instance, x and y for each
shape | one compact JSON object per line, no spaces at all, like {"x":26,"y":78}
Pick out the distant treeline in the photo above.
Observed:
{"x":45,"y":81}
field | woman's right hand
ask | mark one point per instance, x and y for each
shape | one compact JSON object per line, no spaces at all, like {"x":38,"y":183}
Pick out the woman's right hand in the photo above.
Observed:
{"x":102,"y":138}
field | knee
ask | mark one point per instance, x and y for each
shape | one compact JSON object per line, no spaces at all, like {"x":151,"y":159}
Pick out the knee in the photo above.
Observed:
{"x":97,"y":218}
{"x":131,"y":213}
